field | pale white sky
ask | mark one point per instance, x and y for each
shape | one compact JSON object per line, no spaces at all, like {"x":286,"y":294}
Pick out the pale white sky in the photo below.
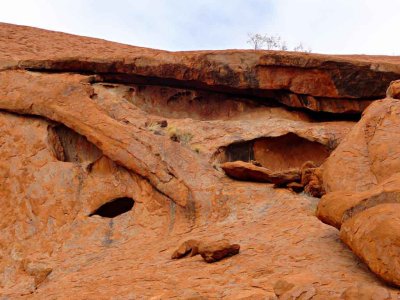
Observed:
{"x":326,"y":26}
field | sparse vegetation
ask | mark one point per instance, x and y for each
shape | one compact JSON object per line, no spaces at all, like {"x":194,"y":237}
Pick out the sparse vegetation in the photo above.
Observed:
{"x":300,"y":48}
{"x":185,"y":138}
{"x":156,"y":126}
{"x":258,"y":41}
{"x":269,"y":42}
{"x":153,"y":126}
{"x":177,"y":135}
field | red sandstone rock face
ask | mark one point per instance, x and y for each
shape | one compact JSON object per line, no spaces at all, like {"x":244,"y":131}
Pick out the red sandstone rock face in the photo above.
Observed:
{"x":210,"y":251}
{"x":337,"y":207}
{"x":362,"y":180}
{"x":246,"y":171}
{"x":111,"y":158}
{"x":317,"y":82}
{"x":369,"y":154}
{"x":373,"y":235}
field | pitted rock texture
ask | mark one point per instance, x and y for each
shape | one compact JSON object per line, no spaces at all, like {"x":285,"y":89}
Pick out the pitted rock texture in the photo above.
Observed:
{"x":111,"y":157}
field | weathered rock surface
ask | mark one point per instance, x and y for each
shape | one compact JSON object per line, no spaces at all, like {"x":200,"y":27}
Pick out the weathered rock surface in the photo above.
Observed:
{"x":188,"y":248}
{"x":311,"y":179}
{"x":362,"y":178}
{"x":295,"y":187}
{"x":374,"y":236}
{"x":369,"y":154}
{"x":70,"y":103}
{"x":393,"y":90}
{"x":317,"y":82}
{"x":247,"y":171}
{"x":210,"y":251}
{"x":213,"y":252}
{"x":337,"y":207}
{"x":367,"y":292}
{"x":110,"y":158}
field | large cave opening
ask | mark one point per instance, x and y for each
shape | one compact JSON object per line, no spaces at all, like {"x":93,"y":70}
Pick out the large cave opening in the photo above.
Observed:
{"x":114,"y":208}
{"x":277,"y":153}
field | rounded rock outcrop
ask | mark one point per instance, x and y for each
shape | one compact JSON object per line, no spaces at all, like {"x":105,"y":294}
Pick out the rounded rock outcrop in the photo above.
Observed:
{"x":373,"y":235}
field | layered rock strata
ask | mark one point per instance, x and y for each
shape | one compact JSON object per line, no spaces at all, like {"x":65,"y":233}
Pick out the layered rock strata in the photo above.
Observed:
{"x":317,"y":82}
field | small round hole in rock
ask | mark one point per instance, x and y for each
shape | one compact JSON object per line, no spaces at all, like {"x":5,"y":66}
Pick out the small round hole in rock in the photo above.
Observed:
{"x":114,"y":208}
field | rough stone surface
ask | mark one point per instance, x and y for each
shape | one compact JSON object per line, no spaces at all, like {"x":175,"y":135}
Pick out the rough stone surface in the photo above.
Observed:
{"x":317,"y":82}
{"x":246,"y":171}
{"x":311,"y":179}
{"x":374,"y":236}
{"x":282,"y":286}
{"x":367,"y":292}
{"x":210,"y":251}
{"x":188,"y":248}
{"x":215,"y":251}
{"x":86,"y":122}
{"x":369,"y":154}
{"x":336,"y":207}
{"x":393,"y":90}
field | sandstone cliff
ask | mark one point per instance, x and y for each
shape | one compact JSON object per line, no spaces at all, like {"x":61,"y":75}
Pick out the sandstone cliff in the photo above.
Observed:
{"x":111,"y":158}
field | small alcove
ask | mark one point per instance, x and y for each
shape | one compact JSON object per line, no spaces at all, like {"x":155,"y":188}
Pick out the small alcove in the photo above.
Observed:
{"x":114,"y":208}
{"x":276,"y":153}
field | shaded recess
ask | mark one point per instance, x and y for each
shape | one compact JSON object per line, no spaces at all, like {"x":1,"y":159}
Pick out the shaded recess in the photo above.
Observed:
{"x":70,"y":146}
{"x":170,"y":102}
{"x":114,"y":208}
{"x":276,"y":153}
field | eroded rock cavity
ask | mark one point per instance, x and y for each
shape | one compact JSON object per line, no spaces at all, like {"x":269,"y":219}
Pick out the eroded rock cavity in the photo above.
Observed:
{"x":276,"y":153}
{"x":197,"y":104}
{"x":114,"y":208}
{"x":70,"y":146}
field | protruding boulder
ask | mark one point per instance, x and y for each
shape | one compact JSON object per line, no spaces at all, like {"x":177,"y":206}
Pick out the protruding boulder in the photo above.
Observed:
{"x":335,"y":208}
{"x":295,"y":187}
{"x":311,"y":179}
{"x":209,"y":251}
{"x":369,"y":154}
{"x":241,"y":170}
{"x":374,"y":236}
{"x":218,"y":250}
{"x":393,"y":90}
{"x":188,"y":248}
